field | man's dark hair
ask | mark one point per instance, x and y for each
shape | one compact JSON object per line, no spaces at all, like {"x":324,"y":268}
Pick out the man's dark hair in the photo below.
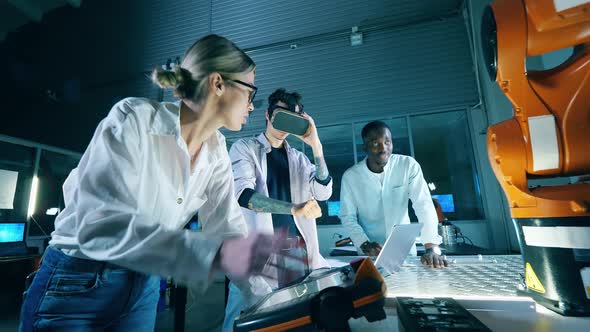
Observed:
{"x":371,"y":126}
{"x":292,"y":99}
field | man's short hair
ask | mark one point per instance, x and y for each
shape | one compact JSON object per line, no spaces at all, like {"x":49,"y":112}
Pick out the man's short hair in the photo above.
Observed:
{"x":372,"y":126}
{"x":292,"y":99}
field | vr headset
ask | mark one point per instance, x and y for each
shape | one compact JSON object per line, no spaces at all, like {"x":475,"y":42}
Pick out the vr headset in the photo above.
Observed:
{"x":288,"y":120}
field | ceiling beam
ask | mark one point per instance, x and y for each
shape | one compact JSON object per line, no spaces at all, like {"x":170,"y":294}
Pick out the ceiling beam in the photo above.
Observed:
{"x":28,"y":8}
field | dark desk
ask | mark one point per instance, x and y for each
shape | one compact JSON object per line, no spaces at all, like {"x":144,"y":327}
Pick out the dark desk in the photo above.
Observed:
{"x":15,"y":270}
{"x":8,"y":259}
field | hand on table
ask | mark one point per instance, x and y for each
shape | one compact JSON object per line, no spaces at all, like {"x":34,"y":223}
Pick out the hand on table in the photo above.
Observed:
{"x":371,"y":248}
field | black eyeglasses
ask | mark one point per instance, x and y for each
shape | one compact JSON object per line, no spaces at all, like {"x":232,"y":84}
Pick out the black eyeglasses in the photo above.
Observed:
{"x":251,"y":93}
{"x":288,"y":109}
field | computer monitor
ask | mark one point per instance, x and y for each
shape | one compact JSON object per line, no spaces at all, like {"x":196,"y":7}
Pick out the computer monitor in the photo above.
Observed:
{"x":446,"y":202}
{"x":194,"y":225}
{"x":333,"y":208}
{"x":12,"y":232}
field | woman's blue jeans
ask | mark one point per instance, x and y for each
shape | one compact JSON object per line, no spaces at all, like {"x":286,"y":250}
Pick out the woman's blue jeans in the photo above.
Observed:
{"x":73,"y":294}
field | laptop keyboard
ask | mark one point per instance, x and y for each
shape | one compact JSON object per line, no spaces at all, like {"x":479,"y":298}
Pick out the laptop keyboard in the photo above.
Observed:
{"x":13,"y":249}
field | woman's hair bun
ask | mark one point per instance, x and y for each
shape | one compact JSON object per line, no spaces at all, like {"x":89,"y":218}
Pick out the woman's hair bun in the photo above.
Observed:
{"x":178,"y":79}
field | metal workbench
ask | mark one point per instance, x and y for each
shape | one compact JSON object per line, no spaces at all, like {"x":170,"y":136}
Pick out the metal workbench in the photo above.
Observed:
{"x":484,"y":285}
{"x":469,"y":276}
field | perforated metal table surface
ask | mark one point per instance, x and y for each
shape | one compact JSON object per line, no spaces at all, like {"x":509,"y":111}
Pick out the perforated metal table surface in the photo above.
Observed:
{"x":484,"y":285}
{"x":496,"y":275}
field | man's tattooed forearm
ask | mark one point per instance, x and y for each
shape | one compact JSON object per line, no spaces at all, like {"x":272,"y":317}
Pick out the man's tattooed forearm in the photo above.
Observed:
{"x":321,"y":171}
{"x":261,"y":203}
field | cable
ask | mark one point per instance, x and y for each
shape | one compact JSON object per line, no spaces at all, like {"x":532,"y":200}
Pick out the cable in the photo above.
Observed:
{"x":38,"y":225}
{"x":459,"y":233}
{"x":463,"y":237}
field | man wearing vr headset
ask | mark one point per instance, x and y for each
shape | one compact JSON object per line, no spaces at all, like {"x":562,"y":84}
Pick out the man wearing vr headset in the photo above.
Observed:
{"x":277,"y":187}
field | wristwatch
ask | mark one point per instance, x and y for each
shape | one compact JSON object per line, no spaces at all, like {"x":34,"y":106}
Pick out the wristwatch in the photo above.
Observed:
{"x":364,"y":245}
{"x":435,"y":249}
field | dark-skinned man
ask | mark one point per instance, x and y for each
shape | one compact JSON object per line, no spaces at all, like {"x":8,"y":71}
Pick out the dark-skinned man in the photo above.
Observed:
{"x":375,"y":192}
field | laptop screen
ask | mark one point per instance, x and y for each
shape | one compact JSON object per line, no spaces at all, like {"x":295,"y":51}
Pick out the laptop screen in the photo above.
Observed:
{"x":12,"y":232}
{"x":397,"y":246}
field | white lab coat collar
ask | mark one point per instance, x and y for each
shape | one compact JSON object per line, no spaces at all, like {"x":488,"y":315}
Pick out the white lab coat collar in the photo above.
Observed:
{"x":166,"y":122}
{"x":386,"y":168}
{"x":266,"y":144}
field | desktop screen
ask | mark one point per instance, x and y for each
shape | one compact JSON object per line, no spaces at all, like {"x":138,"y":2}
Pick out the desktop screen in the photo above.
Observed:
{"x":12,"y":232}
{"x":333,"y":208}
{"x":446,"y":202}
{"x":194,"y":225}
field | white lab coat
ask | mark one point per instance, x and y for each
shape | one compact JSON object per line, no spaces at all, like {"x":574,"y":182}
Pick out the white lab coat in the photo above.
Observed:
{"x":133,"y":191}
{"x":369,"y":210}
{"x":249,"y":168}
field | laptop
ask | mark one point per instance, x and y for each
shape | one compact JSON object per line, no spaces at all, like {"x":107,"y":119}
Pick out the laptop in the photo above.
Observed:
{"x":12,"y":239}
{"x":397,"y":247}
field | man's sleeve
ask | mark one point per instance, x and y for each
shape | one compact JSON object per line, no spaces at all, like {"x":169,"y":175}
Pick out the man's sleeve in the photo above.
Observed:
{"x":349,"y":213}
{"x":320,"y":190}
{"x":221,"y":214}
{"x":243,"y":168}
{"x":422,"y":203}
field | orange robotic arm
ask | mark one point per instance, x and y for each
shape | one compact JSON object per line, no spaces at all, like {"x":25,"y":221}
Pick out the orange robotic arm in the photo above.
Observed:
{"x":549,"y":135}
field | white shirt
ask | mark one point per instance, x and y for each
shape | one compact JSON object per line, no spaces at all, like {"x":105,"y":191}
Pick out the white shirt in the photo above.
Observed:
{"x":132,"y":193}
{"x":250,"y":170}
{"x":379,"y":176}
{"x":369,"y":209}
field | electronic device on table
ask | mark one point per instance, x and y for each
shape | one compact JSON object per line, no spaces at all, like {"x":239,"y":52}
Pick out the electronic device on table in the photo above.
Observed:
{"x":436,"y":314}
{"x":12,"y":239}
{"x":397,"y":247}
{"x":325,"y":300}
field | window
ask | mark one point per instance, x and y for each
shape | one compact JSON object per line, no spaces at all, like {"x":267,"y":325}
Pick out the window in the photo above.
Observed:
{"x":339,"y":156}
{"x":19,"y":159}
{"x":442,"y":146}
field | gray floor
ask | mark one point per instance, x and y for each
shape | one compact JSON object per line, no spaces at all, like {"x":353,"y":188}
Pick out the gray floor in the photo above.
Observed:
{"x":204,"y":312}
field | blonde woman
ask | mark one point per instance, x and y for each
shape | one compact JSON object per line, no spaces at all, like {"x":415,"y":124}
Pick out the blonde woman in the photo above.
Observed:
{"x":148,"y":169}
